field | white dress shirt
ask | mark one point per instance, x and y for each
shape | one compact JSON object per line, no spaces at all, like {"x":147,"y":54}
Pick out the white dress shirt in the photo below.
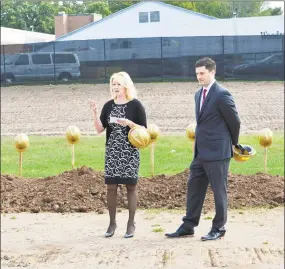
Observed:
{"x":208,"y":89}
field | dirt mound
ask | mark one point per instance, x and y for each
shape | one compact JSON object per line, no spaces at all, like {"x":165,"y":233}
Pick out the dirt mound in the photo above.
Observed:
{"x":83,"y":190}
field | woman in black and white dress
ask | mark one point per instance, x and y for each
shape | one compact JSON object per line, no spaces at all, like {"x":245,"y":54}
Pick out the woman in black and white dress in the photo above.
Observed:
{"x":122,"y":159}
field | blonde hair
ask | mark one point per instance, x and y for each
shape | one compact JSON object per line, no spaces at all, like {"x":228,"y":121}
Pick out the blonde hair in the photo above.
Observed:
{"x":125,"y":80}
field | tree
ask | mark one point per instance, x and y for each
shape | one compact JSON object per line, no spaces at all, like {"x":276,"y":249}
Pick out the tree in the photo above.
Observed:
{"x":218,"y":9}
{"x":187,"y":5}
{"x":27,"y":15}
{"x":249,"y":8}
{"x":38,"y":15}
{"x":271,"y":12}
{"x":99,"y":8}
{"x":115,"y":5}
{"x":252,"y":8}
{"x":9,"y":14}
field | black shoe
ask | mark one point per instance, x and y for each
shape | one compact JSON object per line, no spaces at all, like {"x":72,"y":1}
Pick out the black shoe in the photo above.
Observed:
{"x":213,"y":235}
{"x":181,"y":231}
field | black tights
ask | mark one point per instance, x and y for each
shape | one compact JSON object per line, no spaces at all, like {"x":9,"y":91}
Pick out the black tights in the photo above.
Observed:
{"x":112,"y":206}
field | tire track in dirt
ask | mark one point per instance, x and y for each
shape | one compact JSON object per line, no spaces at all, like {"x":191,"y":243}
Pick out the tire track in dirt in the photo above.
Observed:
{"x":214,"y":257}
{"x":153,"y":256}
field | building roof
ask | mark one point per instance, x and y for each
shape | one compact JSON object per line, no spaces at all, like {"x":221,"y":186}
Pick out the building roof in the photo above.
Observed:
{"x":273,"y":25}
{"x":132,"y":7}
{"x":174,"y":22}
{"x":11,"y":36}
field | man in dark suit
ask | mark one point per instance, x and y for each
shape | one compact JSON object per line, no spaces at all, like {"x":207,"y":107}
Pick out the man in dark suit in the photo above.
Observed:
{"x":217,"y":131}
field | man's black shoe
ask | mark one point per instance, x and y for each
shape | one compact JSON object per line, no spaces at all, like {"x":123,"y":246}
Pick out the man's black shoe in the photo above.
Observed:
{"x":213,"y":235}
{"x":181,"y":232}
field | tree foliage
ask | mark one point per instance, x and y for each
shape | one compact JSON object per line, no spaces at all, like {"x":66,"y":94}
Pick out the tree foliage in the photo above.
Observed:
{"x":38,"y":15}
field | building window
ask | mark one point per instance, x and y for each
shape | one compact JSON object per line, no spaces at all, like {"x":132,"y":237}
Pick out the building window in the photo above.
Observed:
{"x":171,"y":43}
{"x":143,"y":17}
{"x":126,"y":44}
{"x":154,"y":16}
{"x":121,"y":44}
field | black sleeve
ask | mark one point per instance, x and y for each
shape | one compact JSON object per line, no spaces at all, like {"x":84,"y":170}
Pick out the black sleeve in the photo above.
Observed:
{"x":103,"y":116}
{"x":140,"y":115}
{"x":230,"y":114}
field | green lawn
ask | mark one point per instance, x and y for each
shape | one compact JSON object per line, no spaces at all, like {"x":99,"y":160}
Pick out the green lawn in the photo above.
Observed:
{"x":47,"y":156}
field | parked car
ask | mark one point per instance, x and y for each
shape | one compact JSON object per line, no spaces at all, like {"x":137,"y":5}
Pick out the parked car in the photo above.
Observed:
{"x":269,"y":66}
{"x":41,"y":66}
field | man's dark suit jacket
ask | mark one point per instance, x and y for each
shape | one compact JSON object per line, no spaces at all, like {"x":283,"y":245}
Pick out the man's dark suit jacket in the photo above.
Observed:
{"x":218,"y":125}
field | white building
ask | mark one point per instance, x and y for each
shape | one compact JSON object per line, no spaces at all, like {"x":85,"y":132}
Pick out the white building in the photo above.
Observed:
{"x":11,"y":36}
{"x":158,"y":19}
{"x":154,"y":30}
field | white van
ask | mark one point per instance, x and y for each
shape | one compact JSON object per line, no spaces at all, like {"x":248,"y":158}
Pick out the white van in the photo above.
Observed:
{"x":40,"y":66}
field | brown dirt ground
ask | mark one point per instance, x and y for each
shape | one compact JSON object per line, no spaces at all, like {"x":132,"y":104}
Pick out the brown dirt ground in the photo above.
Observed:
{"x":254,"y":240}
{"x":75,"y":240}
{"x":50,"y":109}
{"x":83,"y":190}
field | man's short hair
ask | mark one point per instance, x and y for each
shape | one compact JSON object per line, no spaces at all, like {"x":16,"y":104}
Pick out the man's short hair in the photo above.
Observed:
{"x":207,"y":62}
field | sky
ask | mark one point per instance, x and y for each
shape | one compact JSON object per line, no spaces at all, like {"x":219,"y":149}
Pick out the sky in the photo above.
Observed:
{"x":274,"y":4}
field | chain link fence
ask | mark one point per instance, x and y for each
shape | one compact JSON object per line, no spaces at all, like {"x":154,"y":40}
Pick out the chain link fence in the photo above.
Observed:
{"x":145,"y":59}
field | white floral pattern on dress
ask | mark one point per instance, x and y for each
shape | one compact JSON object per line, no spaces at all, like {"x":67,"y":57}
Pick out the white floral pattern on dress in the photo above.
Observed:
{"x":122,"y":159}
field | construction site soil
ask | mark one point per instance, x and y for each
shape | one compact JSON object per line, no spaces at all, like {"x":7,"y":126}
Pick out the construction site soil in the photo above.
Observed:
{"x":83,"y":190}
